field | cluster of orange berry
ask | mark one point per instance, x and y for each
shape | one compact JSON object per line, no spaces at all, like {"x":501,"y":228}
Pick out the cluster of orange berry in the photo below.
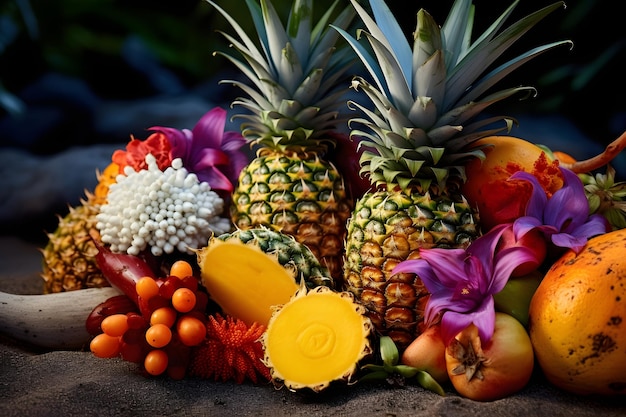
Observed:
{"x":169,"y":321}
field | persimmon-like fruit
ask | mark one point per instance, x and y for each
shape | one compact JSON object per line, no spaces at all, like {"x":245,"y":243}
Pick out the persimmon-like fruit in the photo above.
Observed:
{"x":488,"y":188}
{"x":577,"y":320}
{"x":493,"y":370}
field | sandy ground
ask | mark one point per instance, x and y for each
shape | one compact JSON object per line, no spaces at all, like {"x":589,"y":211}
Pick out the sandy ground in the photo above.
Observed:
{"x":75,"y":383}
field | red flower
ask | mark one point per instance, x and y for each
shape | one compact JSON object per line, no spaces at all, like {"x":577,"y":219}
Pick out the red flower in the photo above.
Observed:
{"x":134,"y":156}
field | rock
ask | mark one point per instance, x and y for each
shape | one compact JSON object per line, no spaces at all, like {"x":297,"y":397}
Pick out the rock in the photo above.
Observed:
{"x":33,"y":189}
{"x":58,"y":111}
{"x":118,"y":120}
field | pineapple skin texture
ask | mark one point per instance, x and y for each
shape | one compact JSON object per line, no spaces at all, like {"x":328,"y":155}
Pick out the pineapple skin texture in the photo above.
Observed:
{"x":69,"y":257}
{"x":292,"y":256}
{"x":303,"y":197}
{"x":388,"y":227}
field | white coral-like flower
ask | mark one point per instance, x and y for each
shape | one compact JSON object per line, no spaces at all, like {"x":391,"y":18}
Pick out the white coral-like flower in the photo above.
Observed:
{"x":163,"y":210}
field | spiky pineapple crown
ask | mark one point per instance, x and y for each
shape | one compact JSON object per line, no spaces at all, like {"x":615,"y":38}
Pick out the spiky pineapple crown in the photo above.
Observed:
{"x":424,"y":97}
{"x":298,"y":79}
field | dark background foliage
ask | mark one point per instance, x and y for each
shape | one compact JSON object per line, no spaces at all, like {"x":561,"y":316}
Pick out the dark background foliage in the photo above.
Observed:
{"x":123,"y":50}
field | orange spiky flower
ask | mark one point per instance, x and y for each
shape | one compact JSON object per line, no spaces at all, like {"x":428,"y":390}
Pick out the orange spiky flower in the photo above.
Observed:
{"x":231,"y":351}
{"x":136,"y":150}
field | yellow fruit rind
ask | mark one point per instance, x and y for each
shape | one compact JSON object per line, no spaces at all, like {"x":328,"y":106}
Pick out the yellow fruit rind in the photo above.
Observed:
{"x":578,"y":318}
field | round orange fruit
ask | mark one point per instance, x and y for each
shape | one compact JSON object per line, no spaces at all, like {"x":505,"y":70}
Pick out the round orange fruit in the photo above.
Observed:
{"x":577,"y":318}
{"x":488,"y":187}
{"x":564,"y":157}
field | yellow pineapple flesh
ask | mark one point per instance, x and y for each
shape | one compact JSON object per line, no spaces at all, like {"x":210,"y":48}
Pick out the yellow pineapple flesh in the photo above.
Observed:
{"x":316,"y":339}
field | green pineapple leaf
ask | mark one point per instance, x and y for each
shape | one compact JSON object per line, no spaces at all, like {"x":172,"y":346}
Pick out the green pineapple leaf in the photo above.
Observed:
{"x":430,"y":92}
{"x":294,"y":95}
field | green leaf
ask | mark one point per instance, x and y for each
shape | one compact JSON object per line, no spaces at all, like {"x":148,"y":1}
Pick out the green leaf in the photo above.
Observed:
{"x":396,"y":40}
{"x":485,"y":51}
{"x":399,"y":87}
{"x":436,"y":153}
{"x":423,"y":112}
{"x":405,"y":370}
{"x":369,"y":62}
{"x":250,"y":46}
{"x":374,"y":376}
{"x":455,"y":29}
{"x":299,"y":26}
{"x":494,"y":76}
{"x":414,"y":166}
{"x":425,"y":380}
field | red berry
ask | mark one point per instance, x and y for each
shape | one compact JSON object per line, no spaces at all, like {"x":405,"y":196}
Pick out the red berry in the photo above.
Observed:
{"x":132,"y":352}
{"x":136,"y":321}
{"x":190,"y":282}
{"x":170,"y":285}
{"x":202,"y":301}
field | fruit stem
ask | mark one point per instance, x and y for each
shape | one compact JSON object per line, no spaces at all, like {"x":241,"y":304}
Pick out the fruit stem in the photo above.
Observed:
{"x":610,"y":152}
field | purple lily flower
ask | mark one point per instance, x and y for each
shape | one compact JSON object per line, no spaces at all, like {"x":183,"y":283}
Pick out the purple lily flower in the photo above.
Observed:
{"x":462,"y":282}
{"x":214,"y":155}
{"x":564,"y":219}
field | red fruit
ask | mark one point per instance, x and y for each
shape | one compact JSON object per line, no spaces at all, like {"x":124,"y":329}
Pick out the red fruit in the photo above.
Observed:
{"x":105,"y":346}
{"x":533,"y":240}
{"x":179,"y":357}
{"x":121,"y":270}
{"x":183,"y":300}
{"x":200,"y":315}
{"x":144,"y":307}
{"x":136,"y":321}
{"x":147,"y":287}
{"x":428,"y":353}
{"x":202,"y":301}
{"x":190,"y":282}
{"x":115,"y":325}
{"x":132,"y":352}
{"x":119,"y":304}
{"x":488,"y":188}
{"x":147,"y":307}
{"x":495,"y":369}
{"x":134,"y":336}
{"x":191,"y":331}
{"x":155,"y":362}
{"x":169,"y":286}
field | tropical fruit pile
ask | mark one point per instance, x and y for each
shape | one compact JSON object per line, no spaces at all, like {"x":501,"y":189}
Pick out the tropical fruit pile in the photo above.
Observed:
{"x":397,"y":235}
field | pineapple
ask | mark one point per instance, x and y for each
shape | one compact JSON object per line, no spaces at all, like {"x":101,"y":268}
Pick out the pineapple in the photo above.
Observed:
{"x":307,"y":348}
{"x":292,"y":110}
{"x":248,"y":272}
{"x":69,"y":257}
{"x":416,"y":143}
{"x":69,"y":261}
